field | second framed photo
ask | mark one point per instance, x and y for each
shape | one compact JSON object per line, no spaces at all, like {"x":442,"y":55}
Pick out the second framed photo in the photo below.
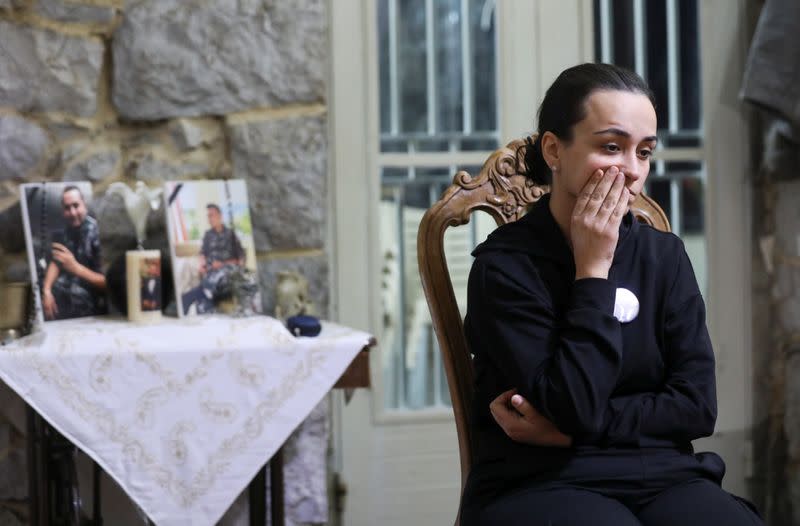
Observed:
{"x":211,"y":243}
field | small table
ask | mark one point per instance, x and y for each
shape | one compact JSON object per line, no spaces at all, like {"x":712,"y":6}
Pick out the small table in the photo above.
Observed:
{"x":180,"y":413}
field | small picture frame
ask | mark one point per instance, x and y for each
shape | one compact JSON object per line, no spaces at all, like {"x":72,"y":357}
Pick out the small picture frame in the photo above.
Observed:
{"x":211,"y":245}
{"x":144,"y":284}
{"x":65,"y":259}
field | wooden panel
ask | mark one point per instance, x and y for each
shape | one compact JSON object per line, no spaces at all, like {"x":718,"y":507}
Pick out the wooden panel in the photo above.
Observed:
{"x":357,"y":373}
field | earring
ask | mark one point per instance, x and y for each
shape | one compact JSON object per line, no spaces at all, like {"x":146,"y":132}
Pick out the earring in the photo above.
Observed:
{"x":554,"y":168}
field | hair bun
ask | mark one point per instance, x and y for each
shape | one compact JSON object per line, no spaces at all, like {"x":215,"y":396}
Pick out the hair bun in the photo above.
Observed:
{"x":534,"y":166}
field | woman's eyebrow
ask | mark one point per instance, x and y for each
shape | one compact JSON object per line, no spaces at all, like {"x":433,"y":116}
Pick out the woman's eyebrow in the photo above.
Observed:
{"x":623,"y":133}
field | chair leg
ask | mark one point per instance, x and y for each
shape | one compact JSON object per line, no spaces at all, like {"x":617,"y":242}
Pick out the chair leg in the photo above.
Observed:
{"x":36,"y":475}
{"x":66,"y":499}
{"x":276,"y":504}
{"x":258,"y":489}
{"x":97,"y":515}
{"x":257,"y":494}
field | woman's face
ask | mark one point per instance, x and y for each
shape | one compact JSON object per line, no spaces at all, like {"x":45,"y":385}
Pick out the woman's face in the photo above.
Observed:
{"x":619,"y":130}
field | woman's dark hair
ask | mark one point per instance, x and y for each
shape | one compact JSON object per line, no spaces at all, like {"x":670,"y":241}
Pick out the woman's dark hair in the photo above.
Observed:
{"x":564,"y":105}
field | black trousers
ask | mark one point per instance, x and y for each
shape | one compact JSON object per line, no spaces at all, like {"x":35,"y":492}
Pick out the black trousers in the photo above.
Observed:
{"x":619,"y":487}
{"x":697,"y":502}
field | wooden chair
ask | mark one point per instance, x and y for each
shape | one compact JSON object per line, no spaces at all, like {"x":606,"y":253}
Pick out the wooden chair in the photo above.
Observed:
{"x":506,"y":195}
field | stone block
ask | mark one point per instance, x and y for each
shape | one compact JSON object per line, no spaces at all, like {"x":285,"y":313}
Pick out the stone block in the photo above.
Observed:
{"x":149,"y":169}
{"x":787,"y":218}
{"x":313,"y":268}
{"x":23,"y":146}
{"x":117,"y":233}
{"x":42,"y":70}
{"x":284,"y":163}
{"x":7,"y":189}
{"x":174,"y":59}
{"x":13,"y":474}
{"x":188,"y":134}
{"x":13,"y":409}
{"x":68,"y":130}
{"x":12,"y":232}
{"x":17,"y":271}
{"x":69,"y":11}
{"x":305,"y":463}
{"x":10,"y":4}
{"x":94,"y":168}
{"x":787,"y":292}
{"x":791,"y":425}
{"x":73,"y":149}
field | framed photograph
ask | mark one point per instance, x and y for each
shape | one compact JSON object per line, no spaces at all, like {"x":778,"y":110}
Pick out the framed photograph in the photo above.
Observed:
{"x":211,"y":244}
{"x":64,"y":254}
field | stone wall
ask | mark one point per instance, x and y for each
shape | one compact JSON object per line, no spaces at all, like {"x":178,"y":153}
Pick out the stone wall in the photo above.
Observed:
{"x":786,"y":295}
{"x":775,"y":281}
{"x":155,"y":90}
{"x":776,"y":349}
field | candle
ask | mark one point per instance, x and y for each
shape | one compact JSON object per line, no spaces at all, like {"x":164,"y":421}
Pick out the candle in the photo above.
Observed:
{"x":143,"y":276}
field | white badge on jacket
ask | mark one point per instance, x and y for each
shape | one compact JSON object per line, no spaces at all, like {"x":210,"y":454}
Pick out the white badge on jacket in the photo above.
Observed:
{"x":626,"y":305}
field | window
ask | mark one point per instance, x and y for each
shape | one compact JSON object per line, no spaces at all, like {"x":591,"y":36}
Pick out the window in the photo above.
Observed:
{"x":659,"y":39}
{"x":437,"y":86}
{"x":438,"y":110}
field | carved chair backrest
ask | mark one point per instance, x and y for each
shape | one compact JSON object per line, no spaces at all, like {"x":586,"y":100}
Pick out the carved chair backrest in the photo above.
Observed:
{"x":502,"y":191}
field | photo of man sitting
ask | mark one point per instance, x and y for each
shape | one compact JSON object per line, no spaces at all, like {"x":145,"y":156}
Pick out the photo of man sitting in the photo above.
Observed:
{"x":220,"y":255}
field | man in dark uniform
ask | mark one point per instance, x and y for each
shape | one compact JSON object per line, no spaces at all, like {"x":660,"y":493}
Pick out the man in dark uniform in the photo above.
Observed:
{"x":151,"y":285}
{"x":74,"y":284}
{"x":220,"y":255}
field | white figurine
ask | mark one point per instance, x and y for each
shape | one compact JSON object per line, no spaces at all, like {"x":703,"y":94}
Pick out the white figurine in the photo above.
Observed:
{"x":138,"y":204}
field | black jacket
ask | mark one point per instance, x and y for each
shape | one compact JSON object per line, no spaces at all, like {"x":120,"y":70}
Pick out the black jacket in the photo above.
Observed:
{"x":644,"y":384}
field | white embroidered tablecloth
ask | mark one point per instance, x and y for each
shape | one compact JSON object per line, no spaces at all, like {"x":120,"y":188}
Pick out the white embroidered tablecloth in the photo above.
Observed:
{"x":182,"y":413}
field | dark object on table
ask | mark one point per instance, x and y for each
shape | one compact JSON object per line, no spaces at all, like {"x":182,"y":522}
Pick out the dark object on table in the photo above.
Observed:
{"x":303,"y":325}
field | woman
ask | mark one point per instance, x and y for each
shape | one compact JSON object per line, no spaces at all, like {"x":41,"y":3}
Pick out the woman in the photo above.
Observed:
{"x":581,"y":417}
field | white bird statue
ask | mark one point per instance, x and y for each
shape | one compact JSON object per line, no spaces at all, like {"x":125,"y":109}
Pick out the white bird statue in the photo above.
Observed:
{"x":138,"y":204}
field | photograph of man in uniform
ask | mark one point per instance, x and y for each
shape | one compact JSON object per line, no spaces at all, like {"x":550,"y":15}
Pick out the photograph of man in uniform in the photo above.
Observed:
{"x":74,"y":284}
{"x":151,"y":284}
{"x":220,"y":255}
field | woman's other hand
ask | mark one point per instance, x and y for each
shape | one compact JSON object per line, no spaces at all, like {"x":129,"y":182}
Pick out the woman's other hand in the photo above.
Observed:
{"x":523,"y":423}
{"x":594,"y":227}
